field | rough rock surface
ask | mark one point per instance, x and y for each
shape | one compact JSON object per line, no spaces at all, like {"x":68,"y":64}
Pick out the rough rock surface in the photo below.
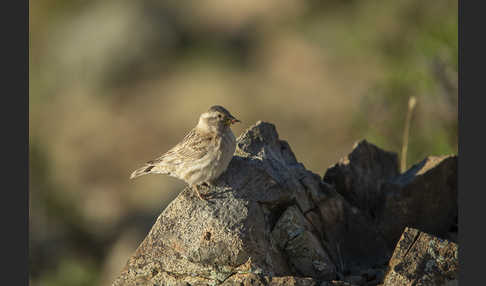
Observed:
{"x":207,"y":242}
{"x":360,"y":176}
{"x":269,"y":221}
{"x":258,"y":280}
{"x":424,"y":197}
{"x":422,"y":259}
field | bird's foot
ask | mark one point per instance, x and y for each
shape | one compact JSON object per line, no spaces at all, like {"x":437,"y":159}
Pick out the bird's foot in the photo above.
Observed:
{"x":201,"y":196}
{"x":207,"y":185}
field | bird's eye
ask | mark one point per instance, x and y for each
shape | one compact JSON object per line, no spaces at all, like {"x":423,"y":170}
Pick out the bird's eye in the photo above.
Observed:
{"x":219,"y":116}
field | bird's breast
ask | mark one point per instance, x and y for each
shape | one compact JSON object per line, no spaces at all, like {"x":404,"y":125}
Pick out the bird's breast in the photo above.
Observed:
{"x":214,"y":163}
{"x":225,"y":150}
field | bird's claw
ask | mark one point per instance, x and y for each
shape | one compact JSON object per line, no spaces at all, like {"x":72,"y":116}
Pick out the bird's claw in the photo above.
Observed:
{"x":201,"y":196}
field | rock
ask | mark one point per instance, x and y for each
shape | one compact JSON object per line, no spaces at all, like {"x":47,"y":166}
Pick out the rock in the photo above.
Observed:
{"x":255,"y":280}
{"x":351,"y":238}
{"x":422,"y":259}
{"x":424,"y":197}
{"x":293,"y":234}
{"x":291,"y":281}
{"x":359,"y":177}
{"x":336,"y":283}
{"x":355,"y":279}
{"x":270,"y":221}
{"x":205,"y":242}
{"x":373,"y":276}
{"x":259,"y":280}
{"x":355,"y":185}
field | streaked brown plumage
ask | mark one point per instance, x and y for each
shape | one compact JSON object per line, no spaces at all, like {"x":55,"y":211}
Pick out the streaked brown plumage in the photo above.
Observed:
{"x":204,"y":153}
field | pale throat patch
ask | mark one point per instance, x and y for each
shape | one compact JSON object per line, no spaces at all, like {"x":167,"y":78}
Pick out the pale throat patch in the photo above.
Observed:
{"x":203,"y":123}
{"x":208,"y":114}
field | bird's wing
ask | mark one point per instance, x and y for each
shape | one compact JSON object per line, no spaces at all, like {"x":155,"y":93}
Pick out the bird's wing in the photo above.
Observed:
{"x":194,"y":146}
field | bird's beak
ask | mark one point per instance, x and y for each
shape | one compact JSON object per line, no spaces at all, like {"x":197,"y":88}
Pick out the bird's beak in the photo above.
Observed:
{"x":232,"y":120}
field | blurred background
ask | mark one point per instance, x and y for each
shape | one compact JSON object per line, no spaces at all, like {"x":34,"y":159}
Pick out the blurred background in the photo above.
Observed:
{"x":115,"y":83}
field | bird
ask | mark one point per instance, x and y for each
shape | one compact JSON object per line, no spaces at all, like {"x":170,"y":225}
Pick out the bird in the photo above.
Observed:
{"x":202,"y":155}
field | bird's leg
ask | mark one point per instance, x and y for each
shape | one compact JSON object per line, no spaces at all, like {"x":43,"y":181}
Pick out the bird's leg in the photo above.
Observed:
{"x":195,"y":188}
{"x":209,"y":184}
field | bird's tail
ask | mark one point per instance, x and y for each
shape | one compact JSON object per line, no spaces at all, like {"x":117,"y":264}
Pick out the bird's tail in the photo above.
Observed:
{"x":142,"y":171}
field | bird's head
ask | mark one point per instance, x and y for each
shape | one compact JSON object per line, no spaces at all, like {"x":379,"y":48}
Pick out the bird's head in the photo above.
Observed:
{"x":217,"y":118}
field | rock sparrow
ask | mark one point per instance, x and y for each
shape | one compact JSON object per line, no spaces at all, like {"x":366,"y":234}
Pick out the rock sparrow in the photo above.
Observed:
{"x":204,"y":153}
